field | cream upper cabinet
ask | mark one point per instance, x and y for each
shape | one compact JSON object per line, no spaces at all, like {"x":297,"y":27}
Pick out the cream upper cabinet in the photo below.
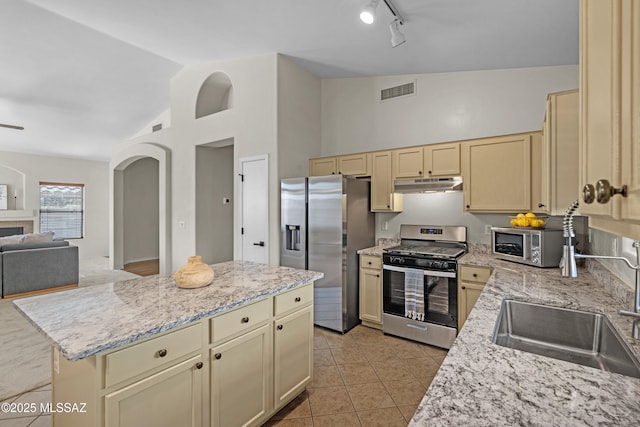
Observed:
{"x":555,"y":162}
{"x":323,"y":166}
{"x":610,"y":111}
{"x":408,"y":163}
{"x":497,"y":174}
{"x":442,"y":159}
{"x":383,"y":199}
{"x":355,"y":164}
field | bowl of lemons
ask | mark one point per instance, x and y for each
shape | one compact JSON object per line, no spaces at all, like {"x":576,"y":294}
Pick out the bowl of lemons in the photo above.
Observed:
{"x":528,"y":220}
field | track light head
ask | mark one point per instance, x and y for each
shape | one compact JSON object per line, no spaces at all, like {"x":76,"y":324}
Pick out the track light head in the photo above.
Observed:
{"x":368,"y":14}
{"x":397,"y":38}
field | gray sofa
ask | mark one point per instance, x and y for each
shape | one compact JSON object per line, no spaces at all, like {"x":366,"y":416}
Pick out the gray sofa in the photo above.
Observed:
{"x":29,"y":267}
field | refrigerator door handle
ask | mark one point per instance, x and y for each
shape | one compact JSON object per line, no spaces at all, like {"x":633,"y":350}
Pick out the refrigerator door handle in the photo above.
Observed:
{"x":261,"y":243}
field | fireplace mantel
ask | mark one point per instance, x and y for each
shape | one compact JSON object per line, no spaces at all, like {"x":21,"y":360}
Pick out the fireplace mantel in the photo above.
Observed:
{"x":15,"y":214}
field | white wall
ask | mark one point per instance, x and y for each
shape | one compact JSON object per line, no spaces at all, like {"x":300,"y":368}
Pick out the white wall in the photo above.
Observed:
{"x":446,"y":107}
{"x":214,"y":219}
{"x":140,"y":210}
{"x":93,"y":174}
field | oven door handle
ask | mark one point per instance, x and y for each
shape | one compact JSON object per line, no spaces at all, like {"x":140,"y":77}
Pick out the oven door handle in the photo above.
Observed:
{"x":426,"y":272}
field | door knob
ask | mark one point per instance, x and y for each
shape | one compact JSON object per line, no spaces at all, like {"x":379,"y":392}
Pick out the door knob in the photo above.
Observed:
{"x":604,"y":191}
{"x":261,"y":243}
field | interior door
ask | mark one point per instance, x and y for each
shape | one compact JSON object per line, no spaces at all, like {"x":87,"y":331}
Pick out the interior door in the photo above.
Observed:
{"x":255,"y":209}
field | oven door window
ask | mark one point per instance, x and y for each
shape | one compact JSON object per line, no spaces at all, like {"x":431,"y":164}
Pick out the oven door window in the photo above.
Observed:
{"x":509,"y":244}
{"x":441,"y":297}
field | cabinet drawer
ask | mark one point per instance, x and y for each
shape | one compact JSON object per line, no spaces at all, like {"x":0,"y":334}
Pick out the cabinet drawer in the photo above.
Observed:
{"x":296,"y":298}
{"x":134,"y":360}
{"x":370,"y":261}
{"x":474,"y":274}
{"x":239,"y":320}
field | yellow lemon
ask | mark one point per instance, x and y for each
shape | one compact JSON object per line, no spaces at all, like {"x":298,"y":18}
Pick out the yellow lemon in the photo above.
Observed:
{"x":538,"y":223}
{"x":520,"y":215}
{"x":523,"y":222}
{"x":530,"y":215}
{"x":514,"y":222}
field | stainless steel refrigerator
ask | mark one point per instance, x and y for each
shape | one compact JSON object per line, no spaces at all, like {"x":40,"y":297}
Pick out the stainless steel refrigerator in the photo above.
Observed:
{"x":325,"y":220}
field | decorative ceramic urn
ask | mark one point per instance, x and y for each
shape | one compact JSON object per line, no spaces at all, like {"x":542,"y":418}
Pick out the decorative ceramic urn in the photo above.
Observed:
{"x":194,"y":274}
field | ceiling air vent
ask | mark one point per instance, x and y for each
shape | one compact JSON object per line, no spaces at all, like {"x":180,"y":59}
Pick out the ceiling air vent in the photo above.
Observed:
{"x":396,"y":91}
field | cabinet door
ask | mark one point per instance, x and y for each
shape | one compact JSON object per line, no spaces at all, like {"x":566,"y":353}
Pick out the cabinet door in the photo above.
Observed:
{"x":355,"y":165}
{"x":382,"y":196}
{"x":468,"y":294}
{"x":323,"y":166}
{"x":442,"y":159}
{"x":408,"y":163}
{"x":371,"y":295}
{"x":497,"y":174}
{"x":293,"y":354}
{"x":170,"y":398}
{"x":630,"y":118}
{"x":240,"y":379}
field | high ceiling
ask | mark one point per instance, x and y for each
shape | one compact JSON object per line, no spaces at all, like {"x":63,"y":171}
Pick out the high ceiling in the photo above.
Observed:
{"x":83,"y":75}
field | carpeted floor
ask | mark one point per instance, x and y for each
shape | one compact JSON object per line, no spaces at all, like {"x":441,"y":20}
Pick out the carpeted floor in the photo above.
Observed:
{"x":25,"y":357}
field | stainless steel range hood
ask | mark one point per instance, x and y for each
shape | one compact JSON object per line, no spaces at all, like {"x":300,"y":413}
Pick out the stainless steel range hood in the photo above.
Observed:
{"x":425,"y":185}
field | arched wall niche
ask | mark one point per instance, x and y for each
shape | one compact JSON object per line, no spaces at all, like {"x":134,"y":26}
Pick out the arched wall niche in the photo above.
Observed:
{"x":215,"y":95}
{"x":119,"y":163}
{"x":15,"y":181}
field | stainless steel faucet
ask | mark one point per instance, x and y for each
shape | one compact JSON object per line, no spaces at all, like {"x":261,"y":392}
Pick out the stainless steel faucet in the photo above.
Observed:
{"x":568,"y":266}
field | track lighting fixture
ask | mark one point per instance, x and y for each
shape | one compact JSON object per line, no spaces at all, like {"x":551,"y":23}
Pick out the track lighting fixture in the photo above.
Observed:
{"x":397,"y":38}
{"x":368,"y":16}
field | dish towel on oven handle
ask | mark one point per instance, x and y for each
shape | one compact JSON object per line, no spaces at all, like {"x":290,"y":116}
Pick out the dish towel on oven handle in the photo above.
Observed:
{"x":414,"y":294}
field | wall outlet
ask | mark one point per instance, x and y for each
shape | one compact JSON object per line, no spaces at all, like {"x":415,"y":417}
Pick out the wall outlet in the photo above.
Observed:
{"x":385,"y":225}
{"x":487,"y":229}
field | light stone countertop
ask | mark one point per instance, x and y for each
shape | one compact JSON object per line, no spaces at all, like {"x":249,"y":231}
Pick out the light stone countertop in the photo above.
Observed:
{"x":484,"y":384}
{"x":85,"y":321}
{"x":383,"y":244}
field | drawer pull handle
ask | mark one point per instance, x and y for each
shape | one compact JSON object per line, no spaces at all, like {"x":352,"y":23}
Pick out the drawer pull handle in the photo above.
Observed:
{"x":464,"y":287}
{"x":369,"y":262}
{"x":244,"y":320}
{"x":475,"y":275}
{"x":162,"y":353}
{"x":297,"y":299}
{"x":199,"y":365}
{"x":279,"y":327}
{"x":377,"y":275}
{"x":218,"y":356}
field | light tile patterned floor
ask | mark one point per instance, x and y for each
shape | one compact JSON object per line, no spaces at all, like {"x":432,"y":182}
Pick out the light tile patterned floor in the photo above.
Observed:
{"x":28,"y":401}
{"x":362,"y":378}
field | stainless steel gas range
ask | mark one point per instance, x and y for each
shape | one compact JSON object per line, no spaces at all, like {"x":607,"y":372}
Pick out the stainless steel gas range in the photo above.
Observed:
{"x":419,"y":284}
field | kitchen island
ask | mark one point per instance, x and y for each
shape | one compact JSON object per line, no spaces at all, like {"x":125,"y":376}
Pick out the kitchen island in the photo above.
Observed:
{"x":484,"y":384}
{"x":145,"y":352}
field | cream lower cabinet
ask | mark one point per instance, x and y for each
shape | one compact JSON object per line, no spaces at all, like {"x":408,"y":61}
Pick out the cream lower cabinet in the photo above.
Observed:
{"x":234,"y":369}
{"x":241,"y":379}
{"x":471,"y":281}
{"x":172,"y":397}
{"x":293,"y":354}
{"x":371,"y":291}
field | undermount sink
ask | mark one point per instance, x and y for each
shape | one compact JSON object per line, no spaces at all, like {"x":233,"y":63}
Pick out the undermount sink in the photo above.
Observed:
{"x":580,"y":337}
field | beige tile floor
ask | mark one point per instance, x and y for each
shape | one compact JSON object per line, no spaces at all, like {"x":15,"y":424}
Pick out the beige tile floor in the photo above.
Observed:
{"x":362,"y":378}
{"x":25,"y":404}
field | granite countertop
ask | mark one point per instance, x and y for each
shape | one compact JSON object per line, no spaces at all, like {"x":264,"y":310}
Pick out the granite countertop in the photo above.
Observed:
{"x":383,"y":243}
{"x":484,"y":384}
{"x":85,"y":321}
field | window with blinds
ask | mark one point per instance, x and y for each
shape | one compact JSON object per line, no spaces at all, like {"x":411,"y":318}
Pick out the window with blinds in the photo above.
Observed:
{"x":62,"y":209}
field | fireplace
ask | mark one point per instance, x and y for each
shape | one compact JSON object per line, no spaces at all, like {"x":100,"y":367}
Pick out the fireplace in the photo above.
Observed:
{"x":11,"y":231}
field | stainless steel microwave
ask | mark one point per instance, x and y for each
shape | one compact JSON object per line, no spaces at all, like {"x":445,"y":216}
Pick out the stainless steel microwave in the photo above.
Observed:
{"x":540,"y":248}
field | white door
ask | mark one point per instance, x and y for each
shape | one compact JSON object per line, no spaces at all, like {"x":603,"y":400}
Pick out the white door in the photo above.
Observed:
{"x":255,"y":209}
